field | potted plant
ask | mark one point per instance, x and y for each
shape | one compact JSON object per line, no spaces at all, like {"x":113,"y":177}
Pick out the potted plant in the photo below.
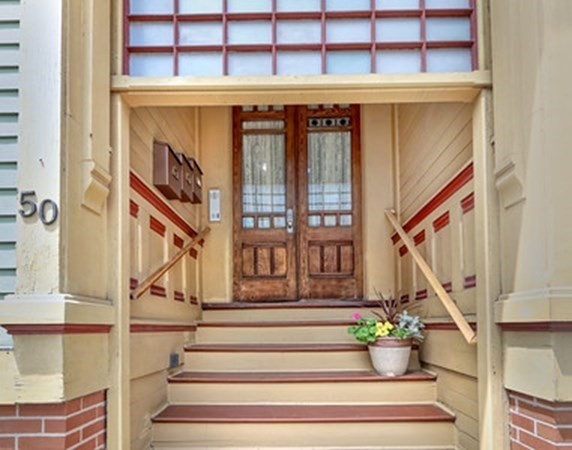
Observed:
{"x":388,"y":335}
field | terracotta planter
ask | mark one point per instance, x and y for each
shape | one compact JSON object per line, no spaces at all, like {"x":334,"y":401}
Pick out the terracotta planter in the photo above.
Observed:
{"x":390,"y":356}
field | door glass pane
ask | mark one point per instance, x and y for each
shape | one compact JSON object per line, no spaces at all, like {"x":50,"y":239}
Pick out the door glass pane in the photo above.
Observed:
{"x":263,"y":174}
{"x":329,"y":171}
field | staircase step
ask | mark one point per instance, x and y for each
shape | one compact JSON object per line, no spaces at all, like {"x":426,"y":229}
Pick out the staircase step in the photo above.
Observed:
{"x":304,"y":426}
{"x":290,"y":331}
{"x":276,"y":357}
{"x":301,"y":310}
{"x":337,"y":387}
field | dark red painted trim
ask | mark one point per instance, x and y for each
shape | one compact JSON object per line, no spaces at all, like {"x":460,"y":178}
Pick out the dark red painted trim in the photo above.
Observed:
{"x":404,"y":299}
{"x":421,"y":295}
{"x":194,"y":300}
{"x":158,"y":203}
{"x":133,"y":209}
{"x":403,"y":250}
{"x":159,"y":328}
{"x":179,"y":296}
{"x":178,"y":241}
{"x":194,"y":253}
{"x":453,"y":186}
{"x":133,"y":283}
{"x":57,"y":328}
{"x":419,"y":238}
{"x":448,"y":286}
{"x":446,"y":326}
{"x":300,"y":304}
{"x":159,"y":291}
{"x":468,"y":203}
{"x":157,"y":226}
{"x":441,"y":222}
{"x":470,"y":281}
{"x":277,"y":323}
{"x":549,"y":327}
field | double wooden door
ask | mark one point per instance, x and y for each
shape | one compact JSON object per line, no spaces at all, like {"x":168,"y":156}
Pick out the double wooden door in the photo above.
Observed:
{"x":297,"y":211}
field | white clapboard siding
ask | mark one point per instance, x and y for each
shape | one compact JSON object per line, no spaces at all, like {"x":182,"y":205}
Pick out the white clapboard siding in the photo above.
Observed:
{"x":9,"y":109}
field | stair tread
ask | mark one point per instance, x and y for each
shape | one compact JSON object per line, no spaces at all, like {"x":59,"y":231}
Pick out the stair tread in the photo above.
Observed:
{"x":291,"y":304}
{"x":295,"y":377}
{"x":277,"y":323}
{"x":301,"y":414}
{"x":294,"y":347}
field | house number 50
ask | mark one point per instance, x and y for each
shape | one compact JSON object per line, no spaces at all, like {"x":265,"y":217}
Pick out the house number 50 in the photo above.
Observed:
{"x":46,"y":209}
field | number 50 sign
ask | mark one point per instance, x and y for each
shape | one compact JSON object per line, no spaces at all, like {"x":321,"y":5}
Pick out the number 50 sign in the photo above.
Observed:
{"x":46,"y":209}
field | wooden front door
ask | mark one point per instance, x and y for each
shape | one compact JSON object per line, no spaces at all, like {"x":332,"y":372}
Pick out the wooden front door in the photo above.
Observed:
{"x":297,"y":217}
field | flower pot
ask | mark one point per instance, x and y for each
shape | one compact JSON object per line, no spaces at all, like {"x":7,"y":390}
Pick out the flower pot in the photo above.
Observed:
{"x":390,"y":356}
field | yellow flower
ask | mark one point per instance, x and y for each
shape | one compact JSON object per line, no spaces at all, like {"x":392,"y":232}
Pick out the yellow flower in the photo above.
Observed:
{"x":383,"y":329}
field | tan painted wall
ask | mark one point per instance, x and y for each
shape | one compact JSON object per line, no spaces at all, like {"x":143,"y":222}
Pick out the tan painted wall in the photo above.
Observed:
{"x":434,"y":144}
{"x":377,"y":191}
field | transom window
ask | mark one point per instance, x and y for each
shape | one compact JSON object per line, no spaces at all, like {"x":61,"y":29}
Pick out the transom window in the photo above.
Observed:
{"x":298,"y":37}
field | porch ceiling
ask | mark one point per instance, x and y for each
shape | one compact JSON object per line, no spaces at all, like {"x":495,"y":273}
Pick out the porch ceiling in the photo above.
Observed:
{"x":284,"y":90}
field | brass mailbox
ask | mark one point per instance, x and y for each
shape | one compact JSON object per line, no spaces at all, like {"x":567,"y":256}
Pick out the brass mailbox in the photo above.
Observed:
{"x":197,"y":194}
{"x":187,"y":179}
{"x":167,"y":170}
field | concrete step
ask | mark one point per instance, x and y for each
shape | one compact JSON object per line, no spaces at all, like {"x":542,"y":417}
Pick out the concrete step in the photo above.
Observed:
{"x":333,"y":387}
{"x":283,"y":331}
{"x":304,"y":426}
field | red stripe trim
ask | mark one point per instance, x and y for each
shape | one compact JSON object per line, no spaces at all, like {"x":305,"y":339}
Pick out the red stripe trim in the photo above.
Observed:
{"x":158,"y":328}
{"x":159,"y":291}
{"x":470,"y":281}
{"x":537,"y":326}
{"x":157,"y":226}
{"x":179,"y":296}
{"x":441,"y":222}
{"x":177,"y":241}
{"x":133,"y":283}
{"x":133,"y":209}
{"x":448,"y":286}
{"x":194,"y":300}
{"x":57,"y":328}
{"x":194,"y":253}
{"x":158,"y":203}
{"x":442,"y":196}
{"x":419,"y":238}
{"x":446,"y":326}
{"x":403,"y":250}
{"x":421,"y":295}
{"x":468,"y":203}
{"x":404,"y":298}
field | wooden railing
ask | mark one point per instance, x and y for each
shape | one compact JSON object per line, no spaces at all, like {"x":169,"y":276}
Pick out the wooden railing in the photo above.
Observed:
{"x":468,"y":333}
{"x":151,"y":279}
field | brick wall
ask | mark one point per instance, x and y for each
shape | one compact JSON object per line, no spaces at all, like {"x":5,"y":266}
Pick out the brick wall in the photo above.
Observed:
{"x":78,"y":424}
{"x":537,"y":424}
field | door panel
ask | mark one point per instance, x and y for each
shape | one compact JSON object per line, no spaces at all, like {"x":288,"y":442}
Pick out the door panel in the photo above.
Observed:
{"x":297,"y":224}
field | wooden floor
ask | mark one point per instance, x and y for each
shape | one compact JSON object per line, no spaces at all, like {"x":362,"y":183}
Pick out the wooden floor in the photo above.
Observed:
{"x":301,"y":414}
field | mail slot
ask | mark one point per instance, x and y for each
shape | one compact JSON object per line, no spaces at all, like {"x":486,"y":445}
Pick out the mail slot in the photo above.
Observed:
{"x":187,"y":180}
{"x":197,"y":194}
{"x":167,"y":168}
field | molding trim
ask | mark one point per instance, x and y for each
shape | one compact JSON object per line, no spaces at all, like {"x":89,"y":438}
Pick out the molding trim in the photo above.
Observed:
{"x":57,"y":328}
{"x":547,"y":327}
{"x":451,"y":188}
{"x":550,"y":305}
{"x":160,"y":328}
{"x":509,"y":184}
{"x":139,"y":186}
{"x":446,"y":326}
{"x":96,"y":182}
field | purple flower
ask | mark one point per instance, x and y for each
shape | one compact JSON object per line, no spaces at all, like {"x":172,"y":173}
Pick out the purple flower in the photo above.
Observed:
{"x":357,"y":316}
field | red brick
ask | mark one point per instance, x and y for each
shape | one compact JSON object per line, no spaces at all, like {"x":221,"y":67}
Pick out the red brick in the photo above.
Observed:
{"x":81,"y":419}
{"x":522,"y":422}
{"x":93,"y":399}
{"x":53,"y":409}
{"x":514,"y":433}
{"x":89,"y":445}
{"x":92,"y":429}
{"x":517,"y":446}
{"x":101,"y":438}
{"x":537,"y":412}
{"x":41,"y":443}
{"x":7,"y":443}
{"x":100,"y":411}
{"x":535,"y":442}
{"x":554,"y":434}
{"x":7,"y":410}
{"x":15,"y":426}
{"x":73,"y":438}
{"x":55,"y":425}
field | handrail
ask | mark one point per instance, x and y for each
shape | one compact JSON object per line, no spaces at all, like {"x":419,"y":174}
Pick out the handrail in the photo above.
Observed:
{"x":468,"y":333}
{"x":145,"y":285}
